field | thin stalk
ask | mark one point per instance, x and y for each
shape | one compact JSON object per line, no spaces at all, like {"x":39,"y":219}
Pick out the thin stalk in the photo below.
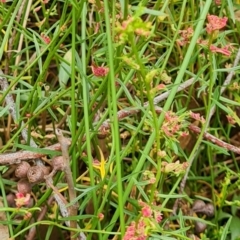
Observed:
{"x":115,"y":126}
{"x":65,"y":143}
{"x":73,"y":78}
{"x":125,"y":10}
{"x":86,"y":107}
{"x":5,"y":205}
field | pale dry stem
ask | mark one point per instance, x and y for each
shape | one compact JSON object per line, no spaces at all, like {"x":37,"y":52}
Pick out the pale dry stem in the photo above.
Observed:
{"x":65,"y":143}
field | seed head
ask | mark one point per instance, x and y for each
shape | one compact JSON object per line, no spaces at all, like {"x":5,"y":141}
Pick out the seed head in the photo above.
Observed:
{"x":22,"y":169}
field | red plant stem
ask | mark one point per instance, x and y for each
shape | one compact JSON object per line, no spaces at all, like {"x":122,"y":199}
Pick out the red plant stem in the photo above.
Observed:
{"x":215,"y":140}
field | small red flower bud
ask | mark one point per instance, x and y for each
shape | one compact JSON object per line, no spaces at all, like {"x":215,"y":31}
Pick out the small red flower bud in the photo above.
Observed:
{"x":99,"y":71}
{"x":27,"y":216}
{"x":45,"y":38}
{"x":100,"y":216}
{"x":231,"y":120}
{"x":22,"y":200}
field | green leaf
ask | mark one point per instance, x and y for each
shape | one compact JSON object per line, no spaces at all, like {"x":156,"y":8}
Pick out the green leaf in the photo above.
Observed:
{"x":173,"y":145}
{"x":171,"y":195}
{"x":235,"y":206}
{"x":221,"y":106}
{"x":38,"y":150}
{"x":233,"y":225}
{"x":225,"y":231}
{"x":3,"y":111}
{"x":231,"y":10}
{"x":145,"y":10}
{"x":38,"y":51}
{"x":223,"y":215}
{"x":65,"y":68}
{"x":102,"y":164}
{"x":229,"y":101}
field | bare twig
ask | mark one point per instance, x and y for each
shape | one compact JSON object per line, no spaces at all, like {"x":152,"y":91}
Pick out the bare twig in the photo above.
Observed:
{"x":17,"y":157}
{"x":62,"y":202}
{"x":215,"y":140}
{"x":163,"y":96}
{"x":131,"y":111}
{"x":65,"y":143}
